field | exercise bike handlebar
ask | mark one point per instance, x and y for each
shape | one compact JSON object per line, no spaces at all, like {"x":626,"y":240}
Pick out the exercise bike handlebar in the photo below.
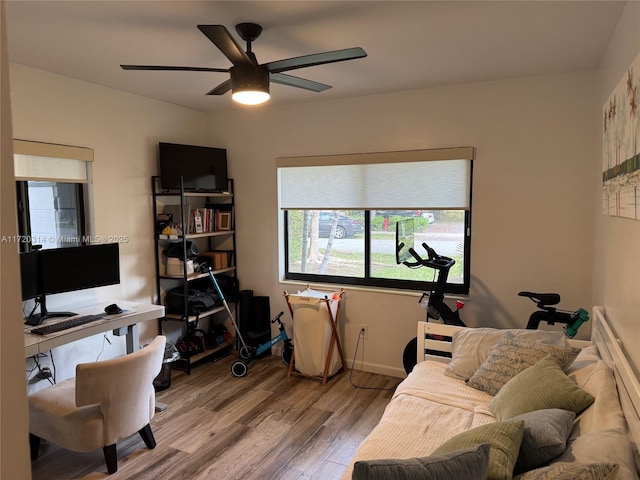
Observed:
{"x":434,"y":260}
{"x":277,"y":318}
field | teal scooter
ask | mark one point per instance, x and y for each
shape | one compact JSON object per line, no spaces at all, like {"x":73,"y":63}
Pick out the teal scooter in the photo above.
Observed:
{"x":247,"y":353}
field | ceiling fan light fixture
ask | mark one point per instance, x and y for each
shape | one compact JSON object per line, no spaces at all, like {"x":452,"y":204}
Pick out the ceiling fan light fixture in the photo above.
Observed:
{"x":250,"y":85}
{"x":250,"y":97}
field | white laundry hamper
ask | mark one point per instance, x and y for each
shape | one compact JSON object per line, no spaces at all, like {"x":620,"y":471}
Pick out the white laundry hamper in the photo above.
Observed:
{"x":317,"y":347}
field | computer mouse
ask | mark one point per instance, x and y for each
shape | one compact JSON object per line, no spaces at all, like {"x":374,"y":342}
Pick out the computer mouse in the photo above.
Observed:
{"x":112,"y":309}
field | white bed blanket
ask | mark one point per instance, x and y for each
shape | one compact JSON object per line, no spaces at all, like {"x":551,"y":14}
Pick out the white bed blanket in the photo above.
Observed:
{"x":427,"y":408}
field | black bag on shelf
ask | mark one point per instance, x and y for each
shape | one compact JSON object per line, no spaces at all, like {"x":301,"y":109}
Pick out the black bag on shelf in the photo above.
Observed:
{"x":228,"y":285}
{"x":174,"y":250}
{"x":196,"y":300}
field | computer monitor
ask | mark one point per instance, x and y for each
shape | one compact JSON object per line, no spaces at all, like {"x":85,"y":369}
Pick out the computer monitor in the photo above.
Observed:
{"x":70,"y":269}
{"x":404,"y":240}
{"x":78,"y":268}
{"x":30,"y":278}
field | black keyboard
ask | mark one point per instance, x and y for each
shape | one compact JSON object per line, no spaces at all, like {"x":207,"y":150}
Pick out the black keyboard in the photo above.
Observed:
{"x":66,"y":324}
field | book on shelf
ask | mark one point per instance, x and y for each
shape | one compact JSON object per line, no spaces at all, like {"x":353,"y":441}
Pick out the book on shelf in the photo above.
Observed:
{"x":223,"y":216}
{"x":209,"y":218}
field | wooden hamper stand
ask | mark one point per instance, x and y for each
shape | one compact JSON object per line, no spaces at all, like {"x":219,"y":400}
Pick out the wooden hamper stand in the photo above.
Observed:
{"x":334,"y":342}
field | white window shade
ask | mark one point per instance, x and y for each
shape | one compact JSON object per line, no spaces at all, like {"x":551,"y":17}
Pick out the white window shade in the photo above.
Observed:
{"x":58,"y":163}
{"x":434,"y":179}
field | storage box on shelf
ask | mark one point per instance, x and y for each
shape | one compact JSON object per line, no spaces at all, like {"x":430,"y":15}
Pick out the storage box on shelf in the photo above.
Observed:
{"x":199,"y":227}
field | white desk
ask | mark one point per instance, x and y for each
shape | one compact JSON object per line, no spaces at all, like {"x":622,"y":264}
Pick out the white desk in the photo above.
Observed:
{"x":125,"y":323}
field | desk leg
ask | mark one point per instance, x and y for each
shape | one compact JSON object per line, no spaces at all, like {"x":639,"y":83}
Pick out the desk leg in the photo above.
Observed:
{"x":132,"y":337}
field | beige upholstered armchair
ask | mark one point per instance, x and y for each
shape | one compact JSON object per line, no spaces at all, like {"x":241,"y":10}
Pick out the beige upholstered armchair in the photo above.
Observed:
{"x":106,"y":402}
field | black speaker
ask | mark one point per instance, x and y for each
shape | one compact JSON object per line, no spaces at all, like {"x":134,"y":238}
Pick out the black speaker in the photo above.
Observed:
{"x":260,"y":325}
{"x":245,"y":302}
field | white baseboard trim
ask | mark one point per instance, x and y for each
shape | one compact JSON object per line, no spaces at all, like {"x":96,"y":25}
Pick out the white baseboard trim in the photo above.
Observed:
{"x":376,"y":368}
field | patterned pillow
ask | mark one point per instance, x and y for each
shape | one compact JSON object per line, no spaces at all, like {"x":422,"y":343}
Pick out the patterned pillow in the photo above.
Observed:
{"x":545,"y":437}
{"x":510,"y":356}
{"x":572,"y":471}
{"x":544,"y":385}
{"x":504,"y":439}
{"x":468,"y":464}
{"x":471,"y":346}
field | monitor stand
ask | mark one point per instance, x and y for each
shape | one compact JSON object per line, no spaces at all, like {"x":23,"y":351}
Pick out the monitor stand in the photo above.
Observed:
{"x":38,"y":318}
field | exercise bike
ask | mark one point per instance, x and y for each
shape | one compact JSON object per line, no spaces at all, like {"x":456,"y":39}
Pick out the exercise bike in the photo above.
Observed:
{"x":436,"y":307}
{"x":248,"y":353}
{"x":551,"y":315}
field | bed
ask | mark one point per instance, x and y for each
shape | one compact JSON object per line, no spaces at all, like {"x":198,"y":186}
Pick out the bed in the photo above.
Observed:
{"x":501,"y":404}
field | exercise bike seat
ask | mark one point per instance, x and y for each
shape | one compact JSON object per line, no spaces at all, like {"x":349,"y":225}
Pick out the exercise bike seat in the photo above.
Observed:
{"x":542,"y":299}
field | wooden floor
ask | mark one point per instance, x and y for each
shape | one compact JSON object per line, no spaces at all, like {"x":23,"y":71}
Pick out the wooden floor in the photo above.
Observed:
{"x":263,"y":426}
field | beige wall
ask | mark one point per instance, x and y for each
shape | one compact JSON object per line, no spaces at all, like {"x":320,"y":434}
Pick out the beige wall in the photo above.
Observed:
{"x":14,"y":446}
{"x":616,"y":274}
{"x":123,"y":130}
{"x":532,"y":225}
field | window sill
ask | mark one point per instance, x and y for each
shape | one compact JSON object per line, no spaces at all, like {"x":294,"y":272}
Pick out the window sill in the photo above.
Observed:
{"x":364,"y":289}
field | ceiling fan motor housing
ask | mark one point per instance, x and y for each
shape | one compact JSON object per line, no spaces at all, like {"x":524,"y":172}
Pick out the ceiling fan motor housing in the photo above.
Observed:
{"x":253,"y":77}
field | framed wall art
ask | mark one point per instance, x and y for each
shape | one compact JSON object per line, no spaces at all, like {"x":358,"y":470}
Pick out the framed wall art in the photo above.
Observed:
{"x":621,"y":158}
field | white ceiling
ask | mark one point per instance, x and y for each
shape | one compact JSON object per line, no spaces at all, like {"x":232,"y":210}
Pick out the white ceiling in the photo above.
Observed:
{"x":410,"y":45}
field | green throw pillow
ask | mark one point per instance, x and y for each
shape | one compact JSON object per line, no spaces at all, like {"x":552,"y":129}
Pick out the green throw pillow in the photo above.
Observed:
{"x":572,"y":471}
{"x":510,"y":356}
{"x":504,"y":440}
{"x":541,"y":386}
{"x":467,"y":464}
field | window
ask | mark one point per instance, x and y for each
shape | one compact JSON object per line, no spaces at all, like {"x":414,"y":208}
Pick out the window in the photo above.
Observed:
{"x":51,"y":187}
{"x":51,"y":214}
{"x":340,"y":214}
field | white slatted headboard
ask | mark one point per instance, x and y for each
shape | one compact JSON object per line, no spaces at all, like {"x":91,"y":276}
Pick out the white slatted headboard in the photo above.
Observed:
{"x":611,"y":351}
{"x":434,"y":341}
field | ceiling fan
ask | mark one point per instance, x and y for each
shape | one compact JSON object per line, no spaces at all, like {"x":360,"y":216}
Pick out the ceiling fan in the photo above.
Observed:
{"x":249,"y":80}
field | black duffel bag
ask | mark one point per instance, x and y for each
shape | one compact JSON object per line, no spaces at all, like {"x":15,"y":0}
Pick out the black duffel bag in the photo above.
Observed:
{"x":197,"y":301}
{"x":176,"y":250}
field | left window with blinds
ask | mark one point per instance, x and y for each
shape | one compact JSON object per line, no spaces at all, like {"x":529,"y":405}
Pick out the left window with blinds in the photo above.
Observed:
{"x":53,"y":193}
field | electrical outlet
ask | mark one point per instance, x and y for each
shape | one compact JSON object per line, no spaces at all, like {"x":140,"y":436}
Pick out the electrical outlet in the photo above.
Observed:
{"x":364,"y":330}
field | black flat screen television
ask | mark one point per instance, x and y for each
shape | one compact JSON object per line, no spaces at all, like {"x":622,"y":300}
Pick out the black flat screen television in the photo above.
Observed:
{"x":60,"y":270}
{"x":201,"y":168}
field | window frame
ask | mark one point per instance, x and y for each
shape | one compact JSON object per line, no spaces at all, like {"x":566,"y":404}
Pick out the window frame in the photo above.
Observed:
{"x":24,"y":214}
{"x":376,"y":282}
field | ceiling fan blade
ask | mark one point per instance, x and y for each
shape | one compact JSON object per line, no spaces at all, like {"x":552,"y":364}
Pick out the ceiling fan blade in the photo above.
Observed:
{"x":315,"y":59}
{"x":170,"y":68}
{"x":291,"y":81}
{"x":222,"y":39}
{"x":221,"y":89}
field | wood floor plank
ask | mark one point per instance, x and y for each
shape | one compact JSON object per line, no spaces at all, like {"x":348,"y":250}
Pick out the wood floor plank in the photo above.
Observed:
{"x":264,"y":426}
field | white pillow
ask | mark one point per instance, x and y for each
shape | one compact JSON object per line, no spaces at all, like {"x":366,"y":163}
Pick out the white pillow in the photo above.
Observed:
{"x":605,"y":413}
{"x":600,"y":432}
{"x":471,"y":346}
{"x":587,"y":357}
{"x":602,"y":446}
